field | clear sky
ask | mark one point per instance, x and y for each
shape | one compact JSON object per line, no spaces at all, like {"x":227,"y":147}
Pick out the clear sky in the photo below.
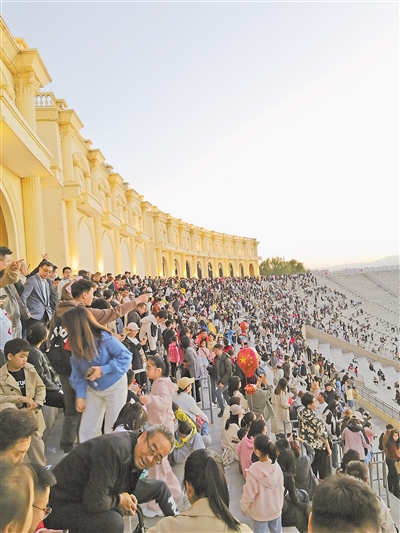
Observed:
{"x":278,"y":121}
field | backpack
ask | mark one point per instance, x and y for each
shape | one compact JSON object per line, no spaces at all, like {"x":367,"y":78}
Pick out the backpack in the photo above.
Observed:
{"x":380,"y":444}
{"x":59,"y":357}
{"x":154,"y":330}
{"x":228,"y":457}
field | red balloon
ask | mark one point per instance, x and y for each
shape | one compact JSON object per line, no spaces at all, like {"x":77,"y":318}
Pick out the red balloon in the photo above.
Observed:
{"x":247,"y":360}
{"x":243,"y":326}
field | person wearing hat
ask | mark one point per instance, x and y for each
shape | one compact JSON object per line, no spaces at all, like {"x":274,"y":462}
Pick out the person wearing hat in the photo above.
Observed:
{"x":188,"y":405}
{"x":135,"y":347}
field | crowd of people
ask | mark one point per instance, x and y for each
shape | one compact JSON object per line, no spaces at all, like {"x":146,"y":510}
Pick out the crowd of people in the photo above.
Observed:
{"x":130,"y":360}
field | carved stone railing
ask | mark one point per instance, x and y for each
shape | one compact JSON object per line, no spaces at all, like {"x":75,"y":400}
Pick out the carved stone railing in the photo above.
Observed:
{"x":49,"y":100}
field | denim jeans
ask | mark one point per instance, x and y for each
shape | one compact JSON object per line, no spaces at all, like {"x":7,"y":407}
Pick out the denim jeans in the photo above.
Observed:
{"x":220,"y":396}
{"x":205,"y":434}
{"x":273,"y":526}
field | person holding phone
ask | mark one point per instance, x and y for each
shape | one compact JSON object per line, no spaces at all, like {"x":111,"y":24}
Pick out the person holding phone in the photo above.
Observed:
{"x":99,"y":365}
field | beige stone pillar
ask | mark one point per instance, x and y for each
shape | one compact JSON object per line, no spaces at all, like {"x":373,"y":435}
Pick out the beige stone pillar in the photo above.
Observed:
{"x":171,"y":265}
{"x":133,"y":254}
{"x":98,"y":245}
{"x":33,"y":220}
{"x":73,"y":235}
{"x":117,"y":248}
{"x":66,"y":134}
{"x":158,"y":262}
{"x":26,"y":88}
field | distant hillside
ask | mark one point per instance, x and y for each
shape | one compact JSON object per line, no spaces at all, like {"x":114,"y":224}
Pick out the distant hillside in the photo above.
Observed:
{"x":386,"y":261}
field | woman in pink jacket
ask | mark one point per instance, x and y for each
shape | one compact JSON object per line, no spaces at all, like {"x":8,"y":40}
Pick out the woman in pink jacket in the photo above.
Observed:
{"x":159,"y":411}
{"x":263,"y":492}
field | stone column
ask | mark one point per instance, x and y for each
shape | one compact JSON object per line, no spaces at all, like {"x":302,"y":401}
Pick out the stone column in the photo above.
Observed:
{"x":73,"y":235}
{"x":26,"y":88}
{"x":98,"y":244}
{"x":133,"y":254}
{"x":117,"y":247}
{"x":33,"y":220}
{"x":158,"y":262}
{"x":66,"y":134}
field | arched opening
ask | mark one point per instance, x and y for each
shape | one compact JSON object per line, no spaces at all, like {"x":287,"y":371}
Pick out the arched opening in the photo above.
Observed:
{"x":11,"y":221}
{"x":199,"y":275}
{"x":241,"y":270}
{"x":108,"y":254}
{"x":251,"y":269}
{"x":3,"y":230}
{"x":176,"y":268}
{"x":86,"y":250}
{"x":231,"y":270}
{"x":187,"y":269}
{"x":210,"y":270}
{"x":164,"y":267}
{"x":220,"y":271}
{"x":125,"y":257}
{"x":140,"y":262}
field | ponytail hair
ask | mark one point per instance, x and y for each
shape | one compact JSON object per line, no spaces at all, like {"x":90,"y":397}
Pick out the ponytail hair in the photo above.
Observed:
{"x":132,"y":416}
{"x":247,"y":420}
{"x":265,"y":446}
{"x":159,"y":362}
{"x":233,"y":419}
{"x":208,"y":481}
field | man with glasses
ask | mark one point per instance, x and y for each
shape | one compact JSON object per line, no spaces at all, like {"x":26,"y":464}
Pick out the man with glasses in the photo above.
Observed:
{"x":36,"y":295}
{"x":43,"y":479}
{"x":96,"y":482}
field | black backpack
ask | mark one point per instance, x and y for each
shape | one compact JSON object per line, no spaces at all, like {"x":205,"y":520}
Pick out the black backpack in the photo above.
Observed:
{"x":60,"y":359}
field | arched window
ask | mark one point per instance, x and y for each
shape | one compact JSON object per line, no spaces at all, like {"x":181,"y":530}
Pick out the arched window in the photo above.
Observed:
{"x":231,"y":270}
{"x":210,"y":270}
{"x":220,"y":271}
{"x":199,"y":270}
{"x":251,"y":269}
{"x":187,"y":269}
{"x":176,"y":268}
{"x":241,"y":270}
{"x":164,"y":268}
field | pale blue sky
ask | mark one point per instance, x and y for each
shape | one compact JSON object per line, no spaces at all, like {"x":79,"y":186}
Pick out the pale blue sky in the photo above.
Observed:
{"x":271,"y":120}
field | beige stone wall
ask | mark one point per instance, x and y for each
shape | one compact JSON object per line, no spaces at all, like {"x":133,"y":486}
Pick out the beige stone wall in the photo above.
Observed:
{"x":58,"y":195}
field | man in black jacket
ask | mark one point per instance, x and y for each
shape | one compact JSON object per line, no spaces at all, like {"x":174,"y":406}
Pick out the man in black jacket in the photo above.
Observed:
{"x":96,"y":481}
{"x":220,"y":372}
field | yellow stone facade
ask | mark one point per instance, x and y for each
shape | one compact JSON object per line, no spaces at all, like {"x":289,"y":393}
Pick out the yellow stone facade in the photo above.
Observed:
{"x":58,"y":195}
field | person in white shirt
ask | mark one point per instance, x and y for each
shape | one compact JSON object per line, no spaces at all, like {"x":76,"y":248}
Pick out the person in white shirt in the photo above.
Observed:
{"x":67,"y":273}
{"x":321,"y":405}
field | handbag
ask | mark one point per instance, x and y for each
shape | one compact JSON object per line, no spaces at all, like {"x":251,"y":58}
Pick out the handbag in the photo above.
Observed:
{"x":397,"y":465}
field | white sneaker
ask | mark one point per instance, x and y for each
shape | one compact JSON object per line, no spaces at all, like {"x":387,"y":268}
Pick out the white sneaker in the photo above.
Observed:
{"x":149,"y":513}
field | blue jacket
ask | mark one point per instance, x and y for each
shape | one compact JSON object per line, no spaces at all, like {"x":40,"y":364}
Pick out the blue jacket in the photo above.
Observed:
{"x":114,"y":359}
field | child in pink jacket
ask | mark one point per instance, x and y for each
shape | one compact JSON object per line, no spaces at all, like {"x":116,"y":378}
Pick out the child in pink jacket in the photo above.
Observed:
{"x":263,"y":491}
{"x":159,"y":411}
{"x":174,"y":355}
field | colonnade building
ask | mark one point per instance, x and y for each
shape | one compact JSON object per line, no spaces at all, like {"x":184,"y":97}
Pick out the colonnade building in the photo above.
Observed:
{"x":58,"y":195}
